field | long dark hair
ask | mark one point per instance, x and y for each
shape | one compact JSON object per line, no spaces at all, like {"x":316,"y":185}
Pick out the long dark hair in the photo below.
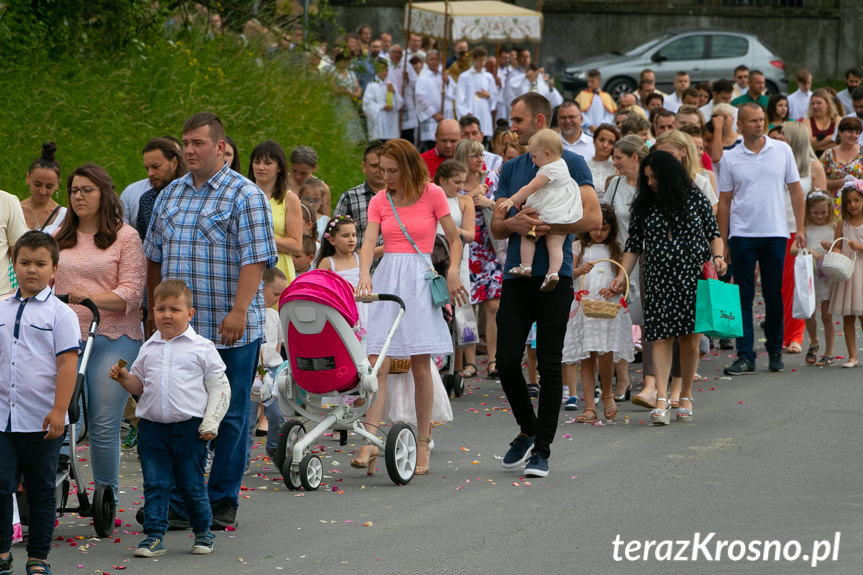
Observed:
{"x":110,"y":210}
{"x":272,"y":150}
{"x":771,"y":109}
{"x":672,"y":183}
{"x":615,"y":250}
{"x":235,"y":161}
{"x":333,"y":226}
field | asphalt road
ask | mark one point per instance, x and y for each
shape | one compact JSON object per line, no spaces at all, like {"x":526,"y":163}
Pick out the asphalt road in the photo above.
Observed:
{"x":768,"y":457}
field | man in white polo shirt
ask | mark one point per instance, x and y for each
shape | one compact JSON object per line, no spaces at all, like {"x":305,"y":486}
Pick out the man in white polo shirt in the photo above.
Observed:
{"x":571,"y":135}
{"x":752,"y":185}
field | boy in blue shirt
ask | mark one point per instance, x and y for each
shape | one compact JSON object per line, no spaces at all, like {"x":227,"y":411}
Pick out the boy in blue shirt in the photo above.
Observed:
{"x":39,"y":343}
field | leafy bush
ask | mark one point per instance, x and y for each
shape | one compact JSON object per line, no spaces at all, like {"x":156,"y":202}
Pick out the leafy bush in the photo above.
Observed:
{"x":104,"y":109}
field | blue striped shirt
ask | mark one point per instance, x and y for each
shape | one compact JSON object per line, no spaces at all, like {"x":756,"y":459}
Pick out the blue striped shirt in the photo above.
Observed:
{"x":205,"y":236}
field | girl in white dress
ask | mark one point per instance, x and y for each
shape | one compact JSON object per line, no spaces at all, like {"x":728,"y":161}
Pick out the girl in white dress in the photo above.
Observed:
{"x":597,"y":342}
{"x":820,"y":226}
{"x":556,"y":198}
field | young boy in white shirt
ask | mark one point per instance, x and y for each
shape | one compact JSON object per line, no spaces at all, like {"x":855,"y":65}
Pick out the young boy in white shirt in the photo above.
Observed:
{"x":184,"y":392}
{"x":39,"y":343}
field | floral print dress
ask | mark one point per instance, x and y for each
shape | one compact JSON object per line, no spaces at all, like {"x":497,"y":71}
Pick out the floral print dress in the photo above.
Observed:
{"x":486,"y":273}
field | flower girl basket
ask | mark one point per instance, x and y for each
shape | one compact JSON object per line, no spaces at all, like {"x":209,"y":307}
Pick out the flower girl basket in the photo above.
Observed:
{"x":836,"y":266}
{"x":601,"y":309}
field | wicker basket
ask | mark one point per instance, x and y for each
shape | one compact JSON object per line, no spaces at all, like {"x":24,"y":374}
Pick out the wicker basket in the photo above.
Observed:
{"x":836,"y":266}
{"x":400,"y":365}
{"x":601,"y":309}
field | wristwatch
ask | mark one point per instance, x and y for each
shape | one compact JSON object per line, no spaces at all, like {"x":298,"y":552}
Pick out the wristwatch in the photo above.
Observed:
{"x":720,"y":257}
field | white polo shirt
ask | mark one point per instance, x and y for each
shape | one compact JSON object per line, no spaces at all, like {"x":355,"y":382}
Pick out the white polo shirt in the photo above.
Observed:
{"x":758,"y":183}
{"x":33,"y":332}
{"x":583,"y":146}
{"x":173,"y":373}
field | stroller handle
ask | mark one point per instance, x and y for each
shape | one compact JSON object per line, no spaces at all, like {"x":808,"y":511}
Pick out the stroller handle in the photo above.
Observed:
{"x":381,"y":297}
{"x":88,"y":303}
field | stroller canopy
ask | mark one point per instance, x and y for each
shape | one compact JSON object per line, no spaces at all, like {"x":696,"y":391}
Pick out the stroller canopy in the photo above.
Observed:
{"x":324,"y":287}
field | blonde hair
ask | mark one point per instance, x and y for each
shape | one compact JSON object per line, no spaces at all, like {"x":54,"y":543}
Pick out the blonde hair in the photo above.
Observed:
{"x":798,"y":139}
{"x":632,"y":144}
{"x":173,"y":288}
{"x":813,"y":198}
{"x":825,"y":95}
{"x":723,"y":109}
{"x":683,"y":142}
{"x":465,"y":150}
{"x":547,"y":139}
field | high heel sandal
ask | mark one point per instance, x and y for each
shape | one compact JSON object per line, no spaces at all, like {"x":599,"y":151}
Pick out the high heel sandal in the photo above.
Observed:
{"x":585,"y":418}
{"x":661,"y":416}
{"x":685,"y":413}
{"x":368,"y":462}
{"x":625,"y":395}
{"x":421,"y":469}
{"x":610,"y":412}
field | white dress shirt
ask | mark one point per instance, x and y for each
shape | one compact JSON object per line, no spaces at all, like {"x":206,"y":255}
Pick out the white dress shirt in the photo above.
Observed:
{"x":33,"y":332}
{"x":131,"y":199}
{"x":583,"y":146}
{"x":467,"y":102}
{"x":798,"y":104}
{"x":173,"y":373}
{"x":428,"y":100}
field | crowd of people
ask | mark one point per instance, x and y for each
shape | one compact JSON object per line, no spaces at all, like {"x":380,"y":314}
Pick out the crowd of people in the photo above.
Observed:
{"x":545,"y":204}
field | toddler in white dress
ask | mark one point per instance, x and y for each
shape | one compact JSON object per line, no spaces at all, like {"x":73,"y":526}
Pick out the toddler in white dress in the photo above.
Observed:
{"x":556,"y":198}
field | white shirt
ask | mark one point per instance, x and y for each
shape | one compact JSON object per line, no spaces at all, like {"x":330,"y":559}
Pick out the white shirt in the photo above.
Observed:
{"x":12,"y":226}
{"x":596,"y":115}
{"x":467,"y":102}
{"x":540,"y":86}
{"x":381,"y":124}
{"x":845,"y":97}
{"x":131,"y":199}
{"x":270,"y":348}
{"x":428,"y":100}
{"x":798,"y":104}
{"x":707,"y":111}
{"x":33,"y":332}
{"x":173,"y":373}
{"x":758,"y":183}
{"x":702,"y":182}
{"x":583,"y":146}
{"x":407,"y":93}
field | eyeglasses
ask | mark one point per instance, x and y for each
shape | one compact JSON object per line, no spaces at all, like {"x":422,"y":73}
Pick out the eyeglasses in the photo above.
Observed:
{"x":86,"y":190}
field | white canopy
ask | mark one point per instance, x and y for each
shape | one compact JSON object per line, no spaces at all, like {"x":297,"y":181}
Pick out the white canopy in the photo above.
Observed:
{"x":474,"y":20}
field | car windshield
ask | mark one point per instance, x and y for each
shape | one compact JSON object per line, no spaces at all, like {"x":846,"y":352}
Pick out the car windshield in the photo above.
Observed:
{"x":641,"y":47}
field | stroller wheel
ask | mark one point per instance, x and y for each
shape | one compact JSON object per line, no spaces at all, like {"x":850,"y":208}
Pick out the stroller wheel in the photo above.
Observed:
{"x":447,"y":383}
{"x":311,"y":471}
{"x":291,"y":478}
{"x":401,"y":453}
{"x":62,"y":496}
{"x":104,"y":510}
{"x":291,"y":431}
{"x":457,"y":385}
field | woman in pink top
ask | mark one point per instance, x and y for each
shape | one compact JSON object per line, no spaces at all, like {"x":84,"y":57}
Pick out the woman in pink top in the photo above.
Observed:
{"x":402,"y":271}
{"x":101,"y":259}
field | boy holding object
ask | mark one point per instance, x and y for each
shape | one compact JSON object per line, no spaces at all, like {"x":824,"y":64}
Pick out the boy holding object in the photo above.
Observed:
{"x":184,"y":395}
{"x":39,"y":343}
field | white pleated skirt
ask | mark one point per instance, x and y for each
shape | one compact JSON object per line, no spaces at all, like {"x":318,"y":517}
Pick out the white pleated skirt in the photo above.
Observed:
{"x":423,"y":329}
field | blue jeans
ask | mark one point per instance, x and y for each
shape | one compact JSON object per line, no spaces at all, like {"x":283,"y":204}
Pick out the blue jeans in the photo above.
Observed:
{"x":105,"y":403}
{"x":769,"y":254}
{"x":173,"y":454}
{"x":275,"y":419}
{"x":35,"y":458}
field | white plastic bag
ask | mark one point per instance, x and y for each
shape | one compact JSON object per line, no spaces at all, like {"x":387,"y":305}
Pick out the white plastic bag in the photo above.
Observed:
{"x":465,"y":325}
{"x":804,"y":286}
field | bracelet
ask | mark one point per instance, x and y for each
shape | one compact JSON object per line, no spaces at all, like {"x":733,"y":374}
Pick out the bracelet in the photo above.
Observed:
{"x":720,"y":257}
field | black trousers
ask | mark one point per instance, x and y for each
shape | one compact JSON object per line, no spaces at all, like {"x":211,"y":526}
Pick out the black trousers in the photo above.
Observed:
{"x":522,"y":304}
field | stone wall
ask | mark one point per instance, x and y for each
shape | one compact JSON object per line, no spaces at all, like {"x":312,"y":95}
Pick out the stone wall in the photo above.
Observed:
{"x":820,"y":36}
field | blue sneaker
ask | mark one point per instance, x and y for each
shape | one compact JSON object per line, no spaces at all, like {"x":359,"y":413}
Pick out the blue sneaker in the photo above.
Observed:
{"x":571,"y":404}
{"x":150,"y":547}
{"x":203,"y":544}
{"x":519,"y":452}
{"x":537,"y":466}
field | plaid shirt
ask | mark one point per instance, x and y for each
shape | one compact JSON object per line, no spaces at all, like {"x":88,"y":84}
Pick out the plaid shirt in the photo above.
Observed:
{"x":355,"y":203}
{"x":205,"y":236}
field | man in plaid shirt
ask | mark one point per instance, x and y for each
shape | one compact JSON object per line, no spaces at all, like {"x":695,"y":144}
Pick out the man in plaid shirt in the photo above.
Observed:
{"x":213,"y":229}
{"x":355,"y":201}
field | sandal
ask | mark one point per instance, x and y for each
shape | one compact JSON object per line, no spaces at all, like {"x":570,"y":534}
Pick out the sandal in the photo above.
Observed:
{"x":639,"y":399}
{"x":421,"y":469}
{"x":825,"y":361}
{"x":585,"y":418}
{"x":624,"y":396}
{"x":610,"y":412}
{"x":850,"y":363}
{"x":812,"y":354}
{"x":661,"y":416}
{"x":685,"y":413}
{"x":793,"y":347}
{"x":521,"y":270}
{"x":674,"y":402}
{"x":367,"y":463}
{"x":550,"y":282}
{"x":469,"y":370}
{"x":492,"y":370}
{"x":37,"y":567}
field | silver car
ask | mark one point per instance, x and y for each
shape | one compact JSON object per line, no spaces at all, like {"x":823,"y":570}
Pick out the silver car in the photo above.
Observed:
{"x":706,"y":54}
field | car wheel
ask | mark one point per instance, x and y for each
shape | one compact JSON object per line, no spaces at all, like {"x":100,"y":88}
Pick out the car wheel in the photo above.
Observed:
{"x":771,"y":89}
{"x":621,"y":85}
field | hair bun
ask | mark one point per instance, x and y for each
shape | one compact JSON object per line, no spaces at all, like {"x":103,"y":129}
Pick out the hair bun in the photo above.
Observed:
{"x":49,"y":149}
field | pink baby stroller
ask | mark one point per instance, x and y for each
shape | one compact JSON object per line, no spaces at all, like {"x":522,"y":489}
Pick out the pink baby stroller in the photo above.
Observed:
{"x":328,"y":378}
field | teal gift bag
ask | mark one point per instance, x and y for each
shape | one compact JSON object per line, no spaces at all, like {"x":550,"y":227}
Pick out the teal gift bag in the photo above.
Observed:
{"x":717,"y":309}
